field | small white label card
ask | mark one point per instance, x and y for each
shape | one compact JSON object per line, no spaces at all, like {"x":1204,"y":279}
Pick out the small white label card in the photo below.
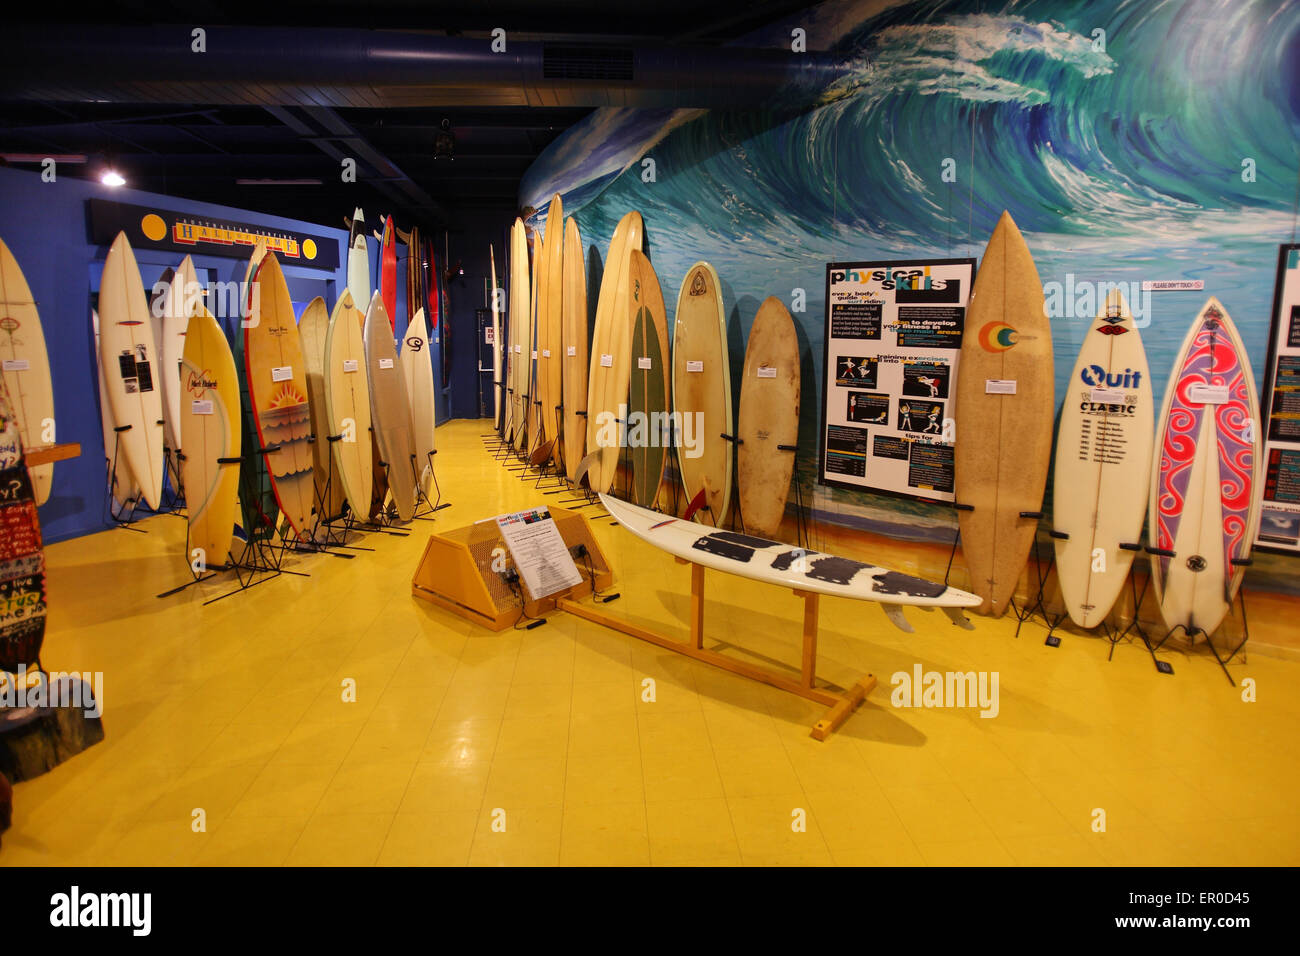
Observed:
{"x":16,"y":365}
{"x":203,"y":407}
{"x":571,"y":350}
{"x":644,"y":362}
{"x":1108,"y":396}
{"x":534,"y":353}
{"x":695,"y":366}
{"x":606,"y":361}
{"x":767,"y":371}
{"x":282,"y":374}
{"x":350,"y":365}
{"x":518,"y":349}
{"x":385,"y":363}
{"x":489,"y":335}
{"x":546,"y":353}
{"x":999,"y":386}
{"x":1208,"y":394}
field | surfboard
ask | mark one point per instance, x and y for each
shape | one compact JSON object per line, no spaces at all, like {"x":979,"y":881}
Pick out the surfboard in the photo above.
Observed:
{"x":347,"y":404}
{"x":497,"y":344}
{"x":550,"y":329}
{"x":414,"y":276}
{"x":528,"y":356}
{"x":702,"y":392}
{"x":313,"y":331}
{"x":573,"y":338}
{"x":210,"y":438}
{"x":519,"y":299}
{"x":181,"y":301}
{"x":390,"y":409}
{"x":122,"y":485}
{"x":1103,"y":454}
{"x":417,"y":369}
{"x":259,"y":512}
{"x":647,"y":434}
{"x":772,"y":562}
{"x":130,"y":357}
{"x":358,"y":258}
{"x":25,"y":365}
{"x":388,"y":271}
{"x":1205,"y":476}
{"x":277,"y":383}
{"x":607,"y":369}
{"x":22,"y":552}
{"x":1003,"y":441}
{"x":768,"y":424}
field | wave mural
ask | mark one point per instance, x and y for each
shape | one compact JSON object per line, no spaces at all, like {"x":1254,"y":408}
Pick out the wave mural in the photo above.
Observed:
{"x":1131,"y":140}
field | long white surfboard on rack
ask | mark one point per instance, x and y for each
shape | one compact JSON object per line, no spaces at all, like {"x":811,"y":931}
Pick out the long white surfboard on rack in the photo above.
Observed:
{"x":775,"y":563}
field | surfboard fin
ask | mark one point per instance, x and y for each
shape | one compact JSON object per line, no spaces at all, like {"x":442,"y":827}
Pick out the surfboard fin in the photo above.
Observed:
{"x":696,"y":504}
{"x":542,"y":453}
{"x":895,"y":614}
{"x":584,"y":466}
{"x":957,"y":617}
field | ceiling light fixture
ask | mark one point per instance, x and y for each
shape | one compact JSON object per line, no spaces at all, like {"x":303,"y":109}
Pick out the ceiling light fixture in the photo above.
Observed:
{"x":111,"y":177}
{"x":444,"y":143}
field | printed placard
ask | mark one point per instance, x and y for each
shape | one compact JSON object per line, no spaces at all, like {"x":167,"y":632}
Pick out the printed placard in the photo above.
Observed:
{"x":1107,"y":396}
{"x":1207,"y":394}
{"x":283,"y":373}
{"x":201,"y":406}
{"x":571,"y":351}
{"x":766,"y":371}
{"x":999,"y":386}
{"x":893,"y":337}
{"x":16,"y":365}
{"x":643,"y":362}
{"x":1279,"y":524}
{"x":695,"y":366}
{"x":385,"y":363}
{"x":606,"y":361}
{"x":546,"y":353}
{"x":351,"y":365}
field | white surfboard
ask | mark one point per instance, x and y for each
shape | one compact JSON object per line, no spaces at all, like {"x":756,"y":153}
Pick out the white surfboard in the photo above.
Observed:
{"x":496,"y":340}
{"x":130,"y":361}
{"x":178,"y":305}
{"x":358,"y":259}
{"x":417,"y":367}
{"x":1103,"y":462}
{"x":775,"y":563}
{"x":26,"y":366}
{"x":121,"y":483}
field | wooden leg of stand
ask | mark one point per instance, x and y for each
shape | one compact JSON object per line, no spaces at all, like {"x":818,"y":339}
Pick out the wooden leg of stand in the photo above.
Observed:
{"x":697,"y":606}
{"x":839,"y":713}
{"x":810,"y":606}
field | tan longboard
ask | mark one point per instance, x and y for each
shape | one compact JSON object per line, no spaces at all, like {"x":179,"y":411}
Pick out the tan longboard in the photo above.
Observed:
{"x":313,"y":330}
{"x":550,"y":335}
{"x":768,"y":426}
{"x":519,"y":297}
{"x":702,"y":392}
{"x":347,"y":404}
{"x":417,"y":368}
{"x":277,"y":383}
{"x":1004,"y":417}
{"x":532,"y":392}
{"x":210,"y":437}
{"x":182,"y":301}
{"x":648,"y":435}
{"x":390,"y":409}
{"x":574,"y":341}
{"x":610,"y":356}
{"x":26,"y":367}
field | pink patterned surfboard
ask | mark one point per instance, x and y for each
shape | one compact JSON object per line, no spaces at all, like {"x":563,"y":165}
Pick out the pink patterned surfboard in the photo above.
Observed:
{"x":1204,"y":477}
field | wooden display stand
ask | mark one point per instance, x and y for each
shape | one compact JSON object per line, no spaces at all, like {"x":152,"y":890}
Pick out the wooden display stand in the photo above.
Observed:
{"x":456,"y":572}
{"x":44,"y":454}
{"x":840,"y":704}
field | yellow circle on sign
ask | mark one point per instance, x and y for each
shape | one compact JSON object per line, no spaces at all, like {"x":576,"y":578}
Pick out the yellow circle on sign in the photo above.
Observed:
{"x":153,"y":227}
{"x":309,"y":248}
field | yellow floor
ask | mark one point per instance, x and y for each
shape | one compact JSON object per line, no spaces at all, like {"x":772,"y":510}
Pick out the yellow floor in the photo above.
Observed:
{"x":234,"y":710}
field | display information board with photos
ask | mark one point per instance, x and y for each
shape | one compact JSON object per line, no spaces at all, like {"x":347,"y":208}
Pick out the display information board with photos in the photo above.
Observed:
{"x":1279,"y":525}
{"x":893,"y":336}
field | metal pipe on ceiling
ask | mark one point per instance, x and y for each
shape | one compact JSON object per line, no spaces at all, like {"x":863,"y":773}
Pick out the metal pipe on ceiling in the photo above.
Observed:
{"x":353,"y":68}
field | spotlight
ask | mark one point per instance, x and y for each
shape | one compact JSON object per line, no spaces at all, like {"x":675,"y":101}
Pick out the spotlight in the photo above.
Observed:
{"x":111,"y":177}
{"x":444,"y":142}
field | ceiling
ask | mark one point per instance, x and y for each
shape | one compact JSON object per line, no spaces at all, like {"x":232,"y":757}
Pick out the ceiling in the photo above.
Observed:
{"x":217,"y":151}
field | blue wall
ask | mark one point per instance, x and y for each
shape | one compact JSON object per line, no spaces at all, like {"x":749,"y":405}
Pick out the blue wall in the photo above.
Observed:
{"x":48,"y":235}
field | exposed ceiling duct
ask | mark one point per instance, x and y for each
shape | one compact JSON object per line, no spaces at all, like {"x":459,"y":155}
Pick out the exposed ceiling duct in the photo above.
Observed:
{"x":350,"y":68}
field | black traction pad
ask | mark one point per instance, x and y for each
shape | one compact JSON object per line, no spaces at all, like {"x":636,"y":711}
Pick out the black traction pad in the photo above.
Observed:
{"x":717,"y":544}
{"x":892,"y":582}
{"x":745,"y":540}
{"x":782,"y":562}
{"x":835,"y":570}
